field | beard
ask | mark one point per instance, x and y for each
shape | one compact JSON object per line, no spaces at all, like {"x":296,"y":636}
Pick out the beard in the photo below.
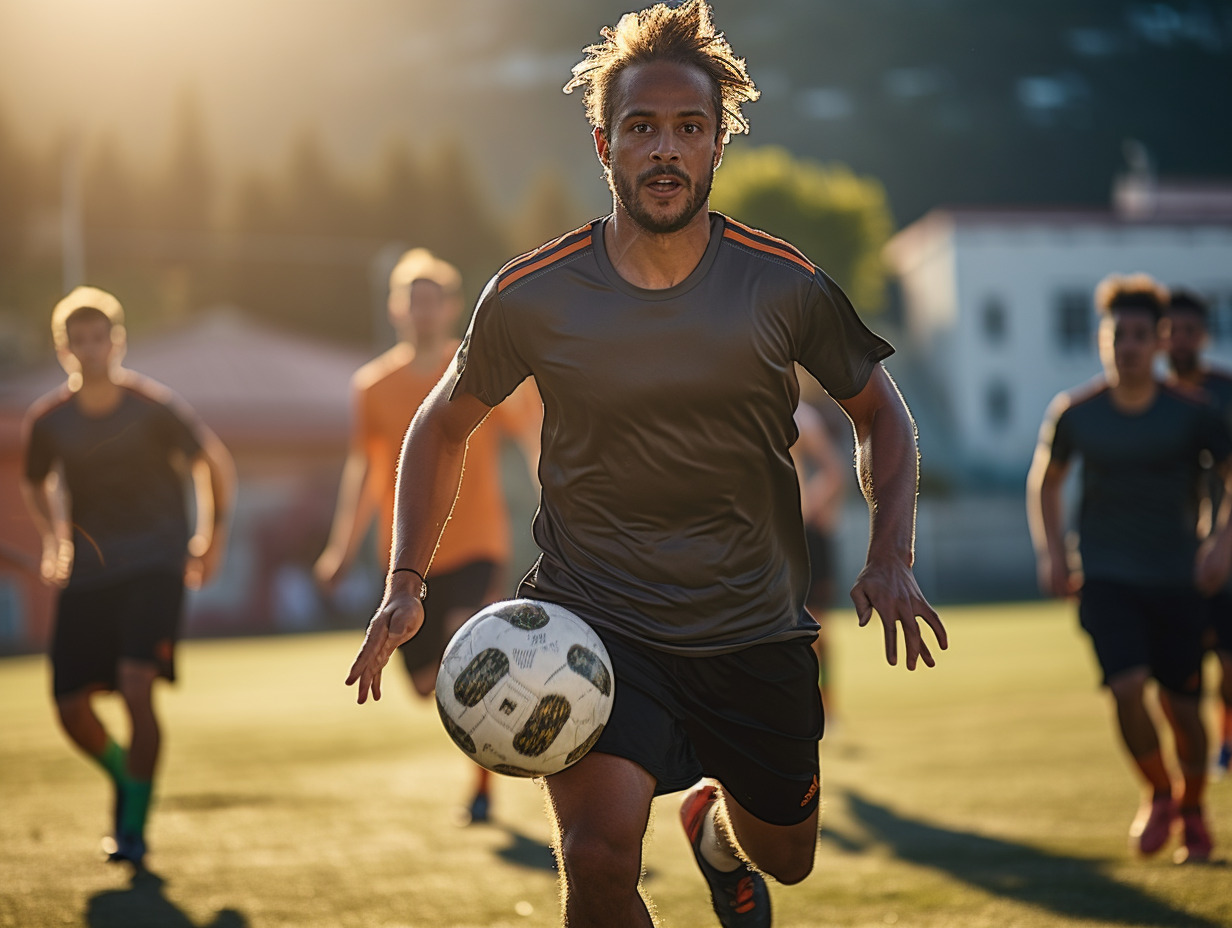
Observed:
{"x":1183,"y":363}
{"x":626,"y":192}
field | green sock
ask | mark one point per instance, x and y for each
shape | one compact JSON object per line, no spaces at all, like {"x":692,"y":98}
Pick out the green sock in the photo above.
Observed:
{"x":114,"y":760}
{"x":137,"y":795}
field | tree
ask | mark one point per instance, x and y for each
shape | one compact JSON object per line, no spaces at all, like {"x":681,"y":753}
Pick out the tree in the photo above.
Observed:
{"x":185,"y":202}
{"x":839,"y":220}
{"x":547,"y":210}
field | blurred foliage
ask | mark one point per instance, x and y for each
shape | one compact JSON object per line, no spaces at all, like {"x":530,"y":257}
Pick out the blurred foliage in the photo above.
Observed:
{"x":840,"y":221}
{"x":306,"y":247}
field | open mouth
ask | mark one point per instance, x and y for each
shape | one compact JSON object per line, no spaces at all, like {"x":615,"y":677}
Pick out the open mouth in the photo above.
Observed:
{"x":665,"y":184}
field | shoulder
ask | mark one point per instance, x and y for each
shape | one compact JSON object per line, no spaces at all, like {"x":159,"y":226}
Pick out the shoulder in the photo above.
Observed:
{"x":158,"y":398}
{"x":544,"y":259}
{"x":774,"y":252}
{"x":1185,"y":395}
{"x":48,"y":405}
{"x":1085,"y":395}
{"x":381,"y":368}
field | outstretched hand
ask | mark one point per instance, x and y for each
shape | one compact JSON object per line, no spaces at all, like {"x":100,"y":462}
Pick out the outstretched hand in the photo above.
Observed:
{"x":397,"y":620}
{"x":889,"y":588}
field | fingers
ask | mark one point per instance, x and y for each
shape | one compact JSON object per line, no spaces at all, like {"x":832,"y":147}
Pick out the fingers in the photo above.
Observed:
{"x":864,"y":606}
{"x":914,"y":644}
{"x":891,"y":641}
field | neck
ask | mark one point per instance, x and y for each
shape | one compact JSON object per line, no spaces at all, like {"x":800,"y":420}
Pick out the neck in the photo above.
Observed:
{"x":1134,"y":393}
{"x":427,"y":352}
{"x":98,"y":393}
{"x":651,"y":260}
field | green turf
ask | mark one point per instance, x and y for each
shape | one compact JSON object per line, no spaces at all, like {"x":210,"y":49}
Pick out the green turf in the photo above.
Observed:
{"x":987,"y":792}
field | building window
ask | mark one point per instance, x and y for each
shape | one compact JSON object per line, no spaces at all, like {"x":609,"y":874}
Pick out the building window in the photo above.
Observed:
{"x":993,"y":320}
{"x":997,"y":404}
{"x":1074,"y":318}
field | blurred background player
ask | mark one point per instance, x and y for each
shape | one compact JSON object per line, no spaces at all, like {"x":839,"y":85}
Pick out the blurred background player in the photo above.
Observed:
{"x":1187,"y":335}
{"x":1143,"y":578}
{"x":821,"y":497}
{"x":109,"y":458}
{"x":470,"y":566}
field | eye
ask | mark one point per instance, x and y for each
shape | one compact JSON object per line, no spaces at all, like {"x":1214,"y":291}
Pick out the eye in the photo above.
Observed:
{"x":640,"y":127}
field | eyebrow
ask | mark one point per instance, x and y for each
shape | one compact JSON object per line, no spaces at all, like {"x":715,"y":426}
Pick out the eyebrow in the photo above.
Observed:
{"x":650,"y":114}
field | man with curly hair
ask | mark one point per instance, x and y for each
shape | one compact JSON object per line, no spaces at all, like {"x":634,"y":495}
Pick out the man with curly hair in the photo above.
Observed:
{"x":663,"y":339}
{"x":1143,"y":574}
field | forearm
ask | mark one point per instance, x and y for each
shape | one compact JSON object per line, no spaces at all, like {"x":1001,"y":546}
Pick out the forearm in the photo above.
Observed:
{"x":350,"y":516}
{"x":887,"y":462}
{"x":429,"y":474}
{"x":39,"y":507}
{"x":1044,"y":512}
{"x":214,"y":477}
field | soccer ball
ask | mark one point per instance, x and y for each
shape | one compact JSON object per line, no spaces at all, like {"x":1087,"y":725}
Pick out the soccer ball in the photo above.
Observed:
{"x":525,"y":688}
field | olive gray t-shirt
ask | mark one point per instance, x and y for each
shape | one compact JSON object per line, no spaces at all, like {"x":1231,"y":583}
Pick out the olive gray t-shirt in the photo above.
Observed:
{"x":670,"y":508}
{"x":126,"y":478}
{"x":1141,"y":474}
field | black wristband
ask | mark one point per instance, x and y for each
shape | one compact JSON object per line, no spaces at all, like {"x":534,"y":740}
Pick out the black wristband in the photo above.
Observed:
{"x":423,"y":583}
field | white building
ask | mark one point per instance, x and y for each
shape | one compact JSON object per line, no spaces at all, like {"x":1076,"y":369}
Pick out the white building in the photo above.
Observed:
{"x":998,"y":314}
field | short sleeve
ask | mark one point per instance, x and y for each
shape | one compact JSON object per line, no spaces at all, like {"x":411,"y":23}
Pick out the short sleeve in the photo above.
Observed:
{"x":40,"y":453}
{"x":1057,"y":433}
{"x":488,"y":364}
{"x":181,"y":433}
{"x":834,"y":344}
{"x":1217,"y":437}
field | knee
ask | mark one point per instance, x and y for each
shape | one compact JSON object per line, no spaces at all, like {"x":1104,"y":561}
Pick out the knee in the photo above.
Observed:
{"x":791,"y":862}
{"x":72,"y":709}
{"x":136,"y":684}
{"x":598,"y":866}
{"x":1129,"y":689}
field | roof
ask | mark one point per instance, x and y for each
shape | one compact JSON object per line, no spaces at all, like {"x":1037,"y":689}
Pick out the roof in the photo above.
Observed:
{"x":247,"y":382}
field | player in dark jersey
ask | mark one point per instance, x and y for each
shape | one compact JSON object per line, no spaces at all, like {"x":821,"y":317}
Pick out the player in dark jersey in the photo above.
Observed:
{"x":108,"y":459}
{"x":663,"y":340}
{"x":1142,"y":577}
{"x":1187,"y":333}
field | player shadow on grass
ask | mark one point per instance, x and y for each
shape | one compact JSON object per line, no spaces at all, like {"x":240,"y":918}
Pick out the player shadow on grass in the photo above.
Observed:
{"x":1073,"y":887}
{"x":525,"y":851}
{"x":143,"y":905}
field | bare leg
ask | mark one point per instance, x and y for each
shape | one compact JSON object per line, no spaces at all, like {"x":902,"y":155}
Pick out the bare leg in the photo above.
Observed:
{"x":81,"y":723}
{"x":1185,"y":716}
{"x":136,"y":680}
{"x":1137,"y":728}
{"x":601,"y":807}
{"x":786,"y":852}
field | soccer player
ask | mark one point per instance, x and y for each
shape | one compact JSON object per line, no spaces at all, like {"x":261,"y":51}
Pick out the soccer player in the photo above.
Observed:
{"x":821,"y":494}
{"x":425,"y":302}
{"x":663,"y":339}
{"x":1187,"y":334}
{"x":109,"y":459}
{"x":1142,"y":576}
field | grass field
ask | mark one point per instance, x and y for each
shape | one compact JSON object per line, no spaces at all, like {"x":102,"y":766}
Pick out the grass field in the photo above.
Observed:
{"x":986,"y":792}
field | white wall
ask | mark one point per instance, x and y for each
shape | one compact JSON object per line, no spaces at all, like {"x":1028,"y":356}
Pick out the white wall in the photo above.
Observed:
{"x":1026,"y":265}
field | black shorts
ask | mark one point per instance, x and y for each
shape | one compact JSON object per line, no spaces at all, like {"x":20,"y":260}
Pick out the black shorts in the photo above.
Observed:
{"x":1219,"y":619}
{"x":750,"y":719}
{"x":821,"y":568}
{"x":464,"y":589}
{"x":136,"y":619}
{"x":1137,"y":626}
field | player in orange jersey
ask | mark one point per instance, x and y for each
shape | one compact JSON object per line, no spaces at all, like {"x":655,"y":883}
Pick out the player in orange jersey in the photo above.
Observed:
{"x":470,"y":565}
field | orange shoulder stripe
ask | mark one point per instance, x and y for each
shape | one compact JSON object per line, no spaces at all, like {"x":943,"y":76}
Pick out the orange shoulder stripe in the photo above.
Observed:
{"x":766,"y":243}
{"x":541,"y":257}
